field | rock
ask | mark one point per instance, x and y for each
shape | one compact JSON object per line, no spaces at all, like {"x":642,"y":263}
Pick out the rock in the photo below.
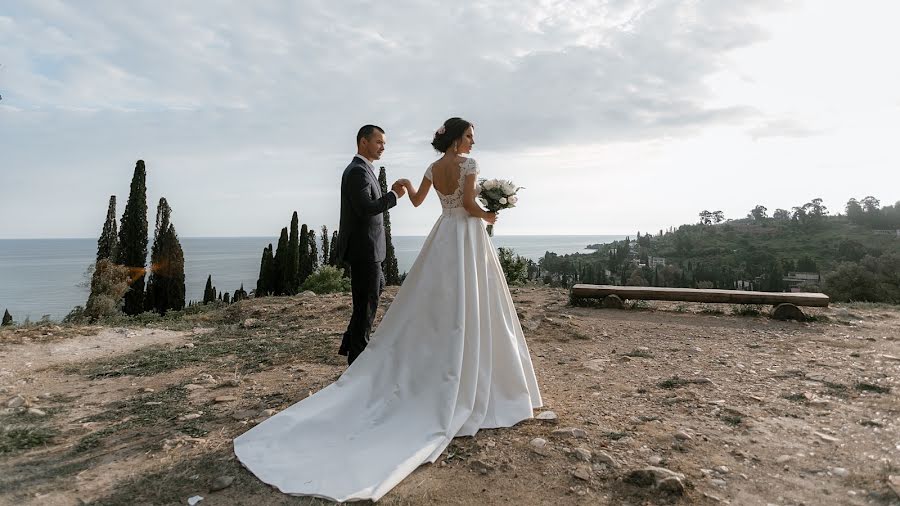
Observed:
{"x":840,"y":471}
{"x":719,"y":483}
{"x":226,"y":398}
{"x":605,"y":458}
{"x":612,"y":302}
{"x":826,"y":437}
{"x":655,"y":460}
{"x":683,"y":436}
{"x":547,"y":415}
{"x":570,"y":432}
{"x":894,"y":483}
{"x":243,"y":415}
{"x":249,"y":323}
{"x":194,"y":500}
{"x":231,"y":382}
{"x":582,"y":473}
{"x":192,"y":386}
{"x":148,"y":390}
{"x":36,"y":412}
{"x":784,"y":459}
{"x":190,"y":416}
{"x":531,"y":324}
{"x":268,"y":412}
{"x":220,"y":483}
{"x":188,"y":345}
{"x":308,"y":293}
{"x":583,"y":454}
{"x":539,"y":445}
{"x":481,"y":466}
{"x":16,"y":402}
{"x":722,"y":469}
{"x":891,"y":357}
{"x":659,"y":478}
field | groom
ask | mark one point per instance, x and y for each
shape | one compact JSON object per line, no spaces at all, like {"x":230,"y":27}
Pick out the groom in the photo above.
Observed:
{"x":361,"y":242}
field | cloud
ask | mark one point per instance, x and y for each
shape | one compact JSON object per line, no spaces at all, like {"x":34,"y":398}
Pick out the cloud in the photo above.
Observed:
{"x":249,"y":111}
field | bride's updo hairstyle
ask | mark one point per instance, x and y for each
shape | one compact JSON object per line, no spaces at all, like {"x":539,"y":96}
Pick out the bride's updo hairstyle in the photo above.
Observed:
{"x":452,"y":130}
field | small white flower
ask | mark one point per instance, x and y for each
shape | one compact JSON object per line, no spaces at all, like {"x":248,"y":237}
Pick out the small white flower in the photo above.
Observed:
{"x":508,"y":188}
{"x":513,"y":199}
{"x":503,"y":200}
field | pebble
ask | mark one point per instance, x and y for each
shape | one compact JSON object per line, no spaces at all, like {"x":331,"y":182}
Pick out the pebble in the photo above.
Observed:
{"x":583,"y":454}
{"x":547,"y":415}
{"x":226,"y":398}
{"x":783,"y":459}
{"x":655,"y":460}
{"x":222,"y":482}
{"x":722,"y":469}
{"x":605,"y":458}
{"x":190,"y":416}
{"x":826,"y":437}
{"x":36,"y":412}
{"x":148,"y":390}
{"x":582,"y":473}
{"x":840,"y":471}
{"x":683,"y":436}
{"x":570,"y":432}
{"x":192,"y":386}
{"x":719,"y":483}
{"x":16,"y":402}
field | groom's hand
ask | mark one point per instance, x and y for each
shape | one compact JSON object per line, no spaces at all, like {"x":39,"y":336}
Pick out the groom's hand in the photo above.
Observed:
{"x":399,"y":189}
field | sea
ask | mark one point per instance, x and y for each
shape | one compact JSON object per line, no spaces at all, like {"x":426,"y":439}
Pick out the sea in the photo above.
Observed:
{"x":46,"y":278}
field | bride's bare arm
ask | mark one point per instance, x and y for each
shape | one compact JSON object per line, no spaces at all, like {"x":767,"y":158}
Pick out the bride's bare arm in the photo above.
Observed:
{"x":417,"y":196}
{"x":470,"y":204}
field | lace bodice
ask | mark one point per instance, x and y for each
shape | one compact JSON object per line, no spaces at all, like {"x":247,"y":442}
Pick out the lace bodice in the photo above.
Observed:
{"x":454,"y":200}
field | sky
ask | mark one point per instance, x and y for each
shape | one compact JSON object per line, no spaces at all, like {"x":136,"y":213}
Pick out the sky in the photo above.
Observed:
{"x":616,"y":116}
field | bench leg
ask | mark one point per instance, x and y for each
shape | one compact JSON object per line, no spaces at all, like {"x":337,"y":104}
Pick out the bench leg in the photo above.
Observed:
{"x":612,"y":302}
{"x":787,"y":311}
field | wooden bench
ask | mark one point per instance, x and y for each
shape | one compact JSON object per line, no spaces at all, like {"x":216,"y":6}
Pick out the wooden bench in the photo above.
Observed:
{"x":785,"y":304}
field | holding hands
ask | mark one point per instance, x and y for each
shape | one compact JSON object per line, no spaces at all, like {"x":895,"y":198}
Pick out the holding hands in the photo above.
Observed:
{"x":399,"y":187}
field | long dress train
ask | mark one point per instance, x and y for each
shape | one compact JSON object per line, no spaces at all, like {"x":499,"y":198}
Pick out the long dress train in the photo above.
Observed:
{"x":449,"y":358}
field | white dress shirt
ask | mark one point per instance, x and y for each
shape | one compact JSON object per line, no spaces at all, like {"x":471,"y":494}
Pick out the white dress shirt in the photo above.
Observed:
{"x":372,"y":168}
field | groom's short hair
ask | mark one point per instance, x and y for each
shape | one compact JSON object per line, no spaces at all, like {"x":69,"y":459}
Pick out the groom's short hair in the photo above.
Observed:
{"x":367,"y":131}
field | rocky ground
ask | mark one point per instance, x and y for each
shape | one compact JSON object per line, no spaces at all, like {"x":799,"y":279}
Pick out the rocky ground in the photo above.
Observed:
{"x":659,"y":403}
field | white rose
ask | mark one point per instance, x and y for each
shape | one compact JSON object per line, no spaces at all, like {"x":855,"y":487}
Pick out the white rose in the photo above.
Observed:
{"x":508,"y":188}
{"x":503,"y":200}
{"x":513,"y":199}
{"x":490,"y":185}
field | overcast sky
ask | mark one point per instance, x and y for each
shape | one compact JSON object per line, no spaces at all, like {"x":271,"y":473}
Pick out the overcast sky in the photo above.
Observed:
{"x":617,"y":116}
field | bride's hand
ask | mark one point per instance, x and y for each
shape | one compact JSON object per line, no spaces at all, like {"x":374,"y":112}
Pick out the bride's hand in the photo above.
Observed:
{"x":406,"y":183}
{"x":491,"y":218}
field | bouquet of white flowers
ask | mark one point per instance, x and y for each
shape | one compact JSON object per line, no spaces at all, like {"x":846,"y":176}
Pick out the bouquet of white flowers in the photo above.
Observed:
{"x":496,"y":195}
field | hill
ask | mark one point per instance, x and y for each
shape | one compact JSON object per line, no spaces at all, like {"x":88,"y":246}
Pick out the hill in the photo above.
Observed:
{"x":750,"y":410}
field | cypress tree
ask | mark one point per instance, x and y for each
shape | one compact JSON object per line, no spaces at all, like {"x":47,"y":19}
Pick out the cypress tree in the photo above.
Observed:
{"x":239,"y":294}
{"x":304,"y":255}
{"x":333,"y":254}
{"x":209,"y":293}
{"x":292,"y":262}
{"x":226,"y":298}
{"x":174,"y":272}
{"x":108,"y":243}
{"x":281,"y":260}
{"x":132,"y":251}
{"x":313,"y":252}
{"x":7,"y":318}
{"x":155,"y":299}
{"x":264,"y":283}
{"x":390,"y":267}
{"x":326,"y":259}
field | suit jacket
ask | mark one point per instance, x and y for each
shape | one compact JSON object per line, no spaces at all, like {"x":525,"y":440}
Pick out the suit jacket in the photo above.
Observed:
{"x":361,"y":232}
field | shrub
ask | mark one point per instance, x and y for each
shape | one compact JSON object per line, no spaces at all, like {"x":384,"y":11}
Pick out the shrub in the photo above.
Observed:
{"x":327,"y":279}
{"x":515,"y":267}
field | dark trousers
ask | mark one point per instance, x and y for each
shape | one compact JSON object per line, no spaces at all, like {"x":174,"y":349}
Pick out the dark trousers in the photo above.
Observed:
{"x":366,"y":282}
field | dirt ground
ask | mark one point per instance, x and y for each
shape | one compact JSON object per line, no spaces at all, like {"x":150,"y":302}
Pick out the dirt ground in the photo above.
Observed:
{"x":752,"y":411}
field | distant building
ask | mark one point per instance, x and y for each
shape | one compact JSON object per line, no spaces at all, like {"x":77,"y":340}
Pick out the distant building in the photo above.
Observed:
{"x":895,"y":233}
{"x":654,"y":261}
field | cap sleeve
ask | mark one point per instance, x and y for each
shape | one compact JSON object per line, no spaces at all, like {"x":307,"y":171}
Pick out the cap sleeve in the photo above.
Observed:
{"x":469,"y":167}
{"x":428,"y":172}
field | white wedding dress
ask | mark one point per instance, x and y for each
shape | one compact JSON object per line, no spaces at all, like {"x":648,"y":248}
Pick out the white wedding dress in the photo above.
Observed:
{"x":449,"y":358}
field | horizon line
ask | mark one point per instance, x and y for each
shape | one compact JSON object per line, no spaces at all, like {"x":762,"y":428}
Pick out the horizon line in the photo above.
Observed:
{"x":276,"y":235}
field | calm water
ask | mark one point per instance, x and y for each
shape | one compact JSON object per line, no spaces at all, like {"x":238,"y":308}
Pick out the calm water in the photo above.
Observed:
{"x":45,"y":276}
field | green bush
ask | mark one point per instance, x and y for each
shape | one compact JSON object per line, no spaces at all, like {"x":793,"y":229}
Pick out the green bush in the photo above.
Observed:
{"x":515,"y":267}
{"x":327,"y":279}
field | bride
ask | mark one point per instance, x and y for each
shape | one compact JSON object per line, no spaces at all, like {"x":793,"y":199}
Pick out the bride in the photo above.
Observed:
{"x":449,"y":358}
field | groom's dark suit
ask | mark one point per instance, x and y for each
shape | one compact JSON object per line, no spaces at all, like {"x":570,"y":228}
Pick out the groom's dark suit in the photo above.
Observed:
{"x":361,"y":244}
